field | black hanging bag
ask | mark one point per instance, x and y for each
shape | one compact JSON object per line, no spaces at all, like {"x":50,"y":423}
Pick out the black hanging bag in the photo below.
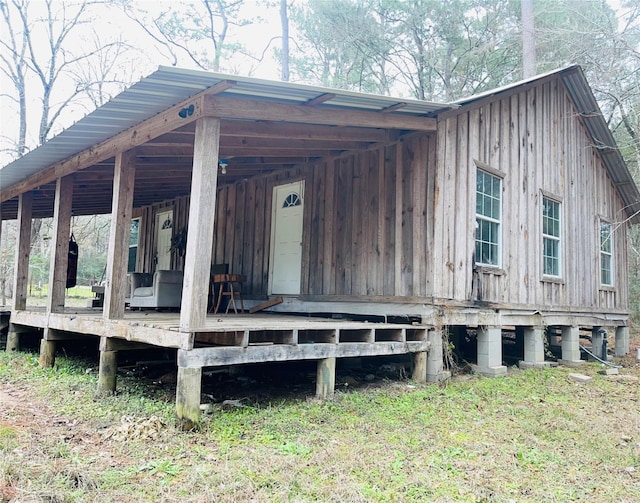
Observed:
{"x":72,"y":263}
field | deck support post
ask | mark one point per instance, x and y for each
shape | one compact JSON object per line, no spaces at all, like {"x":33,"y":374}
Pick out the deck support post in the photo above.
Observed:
{"x":622,"y":341}
{"x":107,"y":373}
{"x":202,"y":211}
{"x":490,"y":352}
{"x":435,"y":361}
{"x":15,"y":334}
{"x":419,"y":373}
{"x":533,"y":339}
{"x":326,"y":378}
{"x":188,"y":389}
{"x":60,"y":245}
{"x":118,"y":257}
{"x":13,"y":341}
{"x":21,"y":271}
{"x":47,"y":353}
{"x":570,"y":346}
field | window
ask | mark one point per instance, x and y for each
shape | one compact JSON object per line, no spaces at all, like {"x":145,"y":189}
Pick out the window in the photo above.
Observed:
{"x":134,"y":235}
{"x":488,"y":215}
{"x":606,"y":254}
{"x":292,"y":199}
{"x":551,"y":237}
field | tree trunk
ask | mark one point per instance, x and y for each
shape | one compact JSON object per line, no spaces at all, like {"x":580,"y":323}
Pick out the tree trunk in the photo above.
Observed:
{"x":284,"y":20}
{"x":528,"y":40}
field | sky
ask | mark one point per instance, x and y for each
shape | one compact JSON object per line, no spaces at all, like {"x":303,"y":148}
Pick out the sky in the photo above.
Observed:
{"x":109,"y":23}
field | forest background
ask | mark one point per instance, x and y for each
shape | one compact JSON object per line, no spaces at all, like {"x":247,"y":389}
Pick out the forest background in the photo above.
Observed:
{"x":61,"y":59}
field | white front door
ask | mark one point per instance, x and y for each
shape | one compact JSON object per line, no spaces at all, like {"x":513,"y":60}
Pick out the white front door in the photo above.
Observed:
{"x":164,"y":232}
{"x":286,"y":239}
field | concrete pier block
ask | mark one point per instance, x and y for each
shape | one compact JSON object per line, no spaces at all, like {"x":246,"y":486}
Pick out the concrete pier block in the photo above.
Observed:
{"x":622,"y":341}
{"x":490,"y":352}
{"x":571,"y":346}
{"x":533,"y":338}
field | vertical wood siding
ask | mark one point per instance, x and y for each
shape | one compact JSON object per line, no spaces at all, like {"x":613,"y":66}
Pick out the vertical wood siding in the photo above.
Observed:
{"x":535,"y":137}
{"x":368,"y":223}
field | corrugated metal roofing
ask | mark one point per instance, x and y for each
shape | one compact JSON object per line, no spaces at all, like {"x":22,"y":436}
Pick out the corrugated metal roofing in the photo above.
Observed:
{"x":169,"y":86}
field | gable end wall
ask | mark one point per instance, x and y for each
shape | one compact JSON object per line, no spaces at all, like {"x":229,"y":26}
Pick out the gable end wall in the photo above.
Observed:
{"x":536,"y":138}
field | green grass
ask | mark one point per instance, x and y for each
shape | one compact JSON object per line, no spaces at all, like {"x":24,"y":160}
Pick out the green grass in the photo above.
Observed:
{"x":534,"y":436}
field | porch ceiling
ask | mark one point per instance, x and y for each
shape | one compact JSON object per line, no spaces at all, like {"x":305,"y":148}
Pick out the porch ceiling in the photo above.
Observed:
{"x":257,"y":137}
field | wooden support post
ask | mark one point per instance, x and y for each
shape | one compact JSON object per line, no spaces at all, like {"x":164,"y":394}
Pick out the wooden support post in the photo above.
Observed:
{"x":107,"y":373}
{"x":419,"y":367}
{"x":570,"y":346}
{"x":15,"y":333}
{"x":622,"y":341}
{"x":202,"y":210}
{"x":326,"y":377}
{"x":435,"y":356}
{"x":47,"y":353}
{"x":188,"y":391}
{"x":60,"y":245}
{"x":21,"y":272}
{"x":13,"y":341}
{"x":118,"y":256}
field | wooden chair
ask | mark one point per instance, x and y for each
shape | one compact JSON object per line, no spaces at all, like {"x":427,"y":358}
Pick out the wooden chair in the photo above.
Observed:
{"x":229,"y":285}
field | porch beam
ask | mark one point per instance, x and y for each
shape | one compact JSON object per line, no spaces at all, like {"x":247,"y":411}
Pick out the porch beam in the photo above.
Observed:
{"x":121,"y":213}
{"x":235,"y":108}
{"x":21,"y":271}
{"x":202,"y":211}
{"x":218,"y":356}
{"x":137,"y":135}
{"x":60,"y":246}
{"x":273,"y":129}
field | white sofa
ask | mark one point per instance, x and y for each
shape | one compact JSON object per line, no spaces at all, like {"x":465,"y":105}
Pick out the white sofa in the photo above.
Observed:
{"x":163,"y":291}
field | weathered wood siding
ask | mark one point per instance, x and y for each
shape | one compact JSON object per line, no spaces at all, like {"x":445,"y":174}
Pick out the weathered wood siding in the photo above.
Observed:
{"x":535,"y":137}
{"x":367,"y":224}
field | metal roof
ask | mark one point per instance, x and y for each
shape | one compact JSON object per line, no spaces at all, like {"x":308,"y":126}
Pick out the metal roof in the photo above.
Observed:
{"x":168,"y":86}
{"x":580,"y":92}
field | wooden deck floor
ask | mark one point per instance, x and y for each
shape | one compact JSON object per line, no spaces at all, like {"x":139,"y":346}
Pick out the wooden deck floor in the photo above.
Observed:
{"x":231,"y":339}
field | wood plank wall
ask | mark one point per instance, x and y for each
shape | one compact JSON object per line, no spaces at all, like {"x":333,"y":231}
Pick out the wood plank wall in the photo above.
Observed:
{"x":535,"y":137}
{"x":367,"y":224}
{"x":350,"y":244}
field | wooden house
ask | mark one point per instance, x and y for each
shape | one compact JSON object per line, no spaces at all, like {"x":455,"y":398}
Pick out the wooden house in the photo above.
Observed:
{"x":390,"y":224}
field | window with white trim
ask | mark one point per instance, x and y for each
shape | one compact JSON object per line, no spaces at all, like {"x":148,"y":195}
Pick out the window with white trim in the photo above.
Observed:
{"x":488,"y":219}
{"x":606,"y":253}
{"x":551,"y":237}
